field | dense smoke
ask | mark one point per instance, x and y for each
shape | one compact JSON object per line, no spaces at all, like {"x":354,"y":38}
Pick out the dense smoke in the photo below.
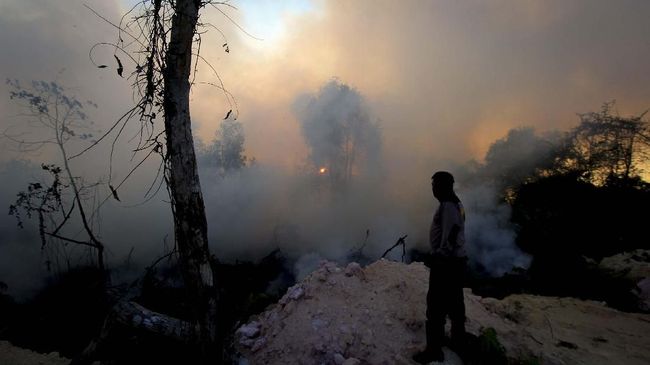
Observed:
{"x":257,"y":207}
{"x":522,"y":153}
{"x":299,"y":211}
{"x":490,"y":236}
{"x":509,"y":162}
{"x":321,"y":207}
{"x":337,"y":126}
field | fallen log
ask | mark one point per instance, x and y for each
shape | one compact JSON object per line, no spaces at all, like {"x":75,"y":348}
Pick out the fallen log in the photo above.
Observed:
{"x":133,"y":315}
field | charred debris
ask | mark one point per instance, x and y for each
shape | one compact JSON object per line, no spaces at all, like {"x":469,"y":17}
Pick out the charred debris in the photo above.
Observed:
{"x":72,"y":309}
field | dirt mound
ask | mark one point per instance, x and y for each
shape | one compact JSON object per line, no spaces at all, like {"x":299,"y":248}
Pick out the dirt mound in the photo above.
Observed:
{"x":375,"y":315}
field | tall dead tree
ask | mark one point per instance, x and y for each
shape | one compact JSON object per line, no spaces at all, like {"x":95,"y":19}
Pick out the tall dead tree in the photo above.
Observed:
{"x":190,"y":225}
{"x":162,"y":39}
{"x":167,"y":46}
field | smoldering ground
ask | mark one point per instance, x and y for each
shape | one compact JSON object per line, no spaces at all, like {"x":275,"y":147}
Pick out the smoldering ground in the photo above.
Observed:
{"x":262,"y":208}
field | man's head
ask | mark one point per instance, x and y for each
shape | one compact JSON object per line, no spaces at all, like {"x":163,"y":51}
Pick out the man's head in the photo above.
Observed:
{"x":442,"y":184}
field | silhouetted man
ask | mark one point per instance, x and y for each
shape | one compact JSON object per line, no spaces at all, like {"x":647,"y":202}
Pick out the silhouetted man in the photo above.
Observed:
{"x":447,"y":269}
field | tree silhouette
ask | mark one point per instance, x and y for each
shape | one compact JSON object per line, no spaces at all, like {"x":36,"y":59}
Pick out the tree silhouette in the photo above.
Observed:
{"x":606,"y":147}
{"x":50,"y":109}
{"x":163,"y":40}
{"x":226,"y":151}
{"x":338,"y":129}
{"x":520,"y":156}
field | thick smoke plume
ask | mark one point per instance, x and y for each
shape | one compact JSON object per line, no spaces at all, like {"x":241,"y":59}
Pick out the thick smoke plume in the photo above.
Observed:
{"x":320,"y":208}
{"x":304,"y":211}
{"x":509,"y":162}
{"x":320,"y":211}
{"x":342,"y":138}
{"x":490,"y":235}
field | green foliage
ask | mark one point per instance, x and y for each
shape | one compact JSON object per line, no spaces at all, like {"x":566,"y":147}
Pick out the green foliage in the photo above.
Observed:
{"x":490,"y":349}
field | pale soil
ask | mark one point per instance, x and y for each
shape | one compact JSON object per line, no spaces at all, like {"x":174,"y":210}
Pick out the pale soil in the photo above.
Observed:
{"x":376,"y":315}
{"x":12,"y":355}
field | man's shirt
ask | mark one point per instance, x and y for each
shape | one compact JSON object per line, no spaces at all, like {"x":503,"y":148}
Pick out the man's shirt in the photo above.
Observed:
{"x":447,"y":234}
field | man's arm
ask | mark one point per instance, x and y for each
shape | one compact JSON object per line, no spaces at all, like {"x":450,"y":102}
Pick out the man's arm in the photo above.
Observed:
{"x":450,"y":223}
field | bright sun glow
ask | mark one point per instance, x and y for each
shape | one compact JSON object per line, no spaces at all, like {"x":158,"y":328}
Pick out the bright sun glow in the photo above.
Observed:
{"x":262,"y":19}
{"x":322,"y":170}
{"x":266,"y":19}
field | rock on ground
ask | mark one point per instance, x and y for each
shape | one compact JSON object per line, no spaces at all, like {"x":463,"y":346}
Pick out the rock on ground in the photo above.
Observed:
{"x":633,"y":266}
{"x":376,"y":315}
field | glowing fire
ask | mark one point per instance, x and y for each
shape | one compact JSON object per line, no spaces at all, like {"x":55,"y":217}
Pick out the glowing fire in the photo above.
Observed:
{"x":322,"y":170}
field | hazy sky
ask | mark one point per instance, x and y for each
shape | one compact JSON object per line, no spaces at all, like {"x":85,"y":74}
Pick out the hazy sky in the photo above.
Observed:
{"x":449,"y":77}
{"x":445,"y":78}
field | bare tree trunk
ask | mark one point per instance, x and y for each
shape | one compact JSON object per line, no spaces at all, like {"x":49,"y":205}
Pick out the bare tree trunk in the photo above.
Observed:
{"x":629,"y":153}
{"x":77,"y":197}
{"x":190,"y":224}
